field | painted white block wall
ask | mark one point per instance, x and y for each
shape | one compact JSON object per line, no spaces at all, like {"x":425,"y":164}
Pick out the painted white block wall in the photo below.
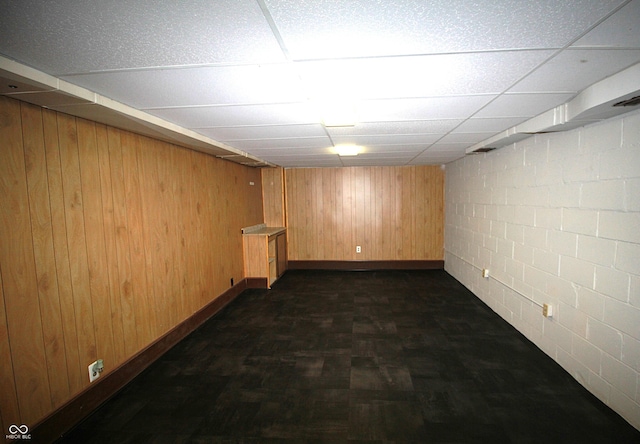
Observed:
{"x":556,"y":220}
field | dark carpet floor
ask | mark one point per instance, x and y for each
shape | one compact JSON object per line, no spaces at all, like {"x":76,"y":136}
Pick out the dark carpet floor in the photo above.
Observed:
{"x":336,"y":357}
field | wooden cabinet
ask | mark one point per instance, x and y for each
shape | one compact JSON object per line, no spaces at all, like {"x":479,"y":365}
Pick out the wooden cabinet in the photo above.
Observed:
{"x":265,"y":253}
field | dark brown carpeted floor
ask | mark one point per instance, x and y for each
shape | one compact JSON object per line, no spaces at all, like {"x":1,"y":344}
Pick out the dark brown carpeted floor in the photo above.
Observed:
{"x":358,"y":357}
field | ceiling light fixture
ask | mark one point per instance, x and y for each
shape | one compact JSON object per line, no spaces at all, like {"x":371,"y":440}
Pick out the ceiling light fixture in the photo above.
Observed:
{"x":348,"y":150}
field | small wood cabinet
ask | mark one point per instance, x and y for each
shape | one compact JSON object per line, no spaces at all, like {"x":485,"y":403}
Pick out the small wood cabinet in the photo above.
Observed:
{"x":265,"y":253}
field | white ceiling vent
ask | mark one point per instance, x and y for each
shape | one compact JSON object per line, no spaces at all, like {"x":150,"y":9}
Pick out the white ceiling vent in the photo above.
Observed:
{"x":633,"y":101}
{"x":608,"y":98}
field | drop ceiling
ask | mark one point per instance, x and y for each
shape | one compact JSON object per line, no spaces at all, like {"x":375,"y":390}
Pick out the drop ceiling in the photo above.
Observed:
{"x":243,"y":79}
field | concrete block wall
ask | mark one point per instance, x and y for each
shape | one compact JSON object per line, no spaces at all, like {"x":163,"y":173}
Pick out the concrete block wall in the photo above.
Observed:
{"x":556,"y":220}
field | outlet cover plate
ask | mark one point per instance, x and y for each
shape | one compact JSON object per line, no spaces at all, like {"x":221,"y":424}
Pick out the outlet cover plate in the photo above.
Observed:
{"x":93,"y":377}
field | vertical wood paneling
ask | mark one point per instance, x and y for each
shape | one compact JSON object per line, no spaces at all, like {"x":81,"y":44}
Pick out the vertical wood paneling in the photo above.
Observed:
{"x":273,"y":196}
{"x":121,"y":233}
{"x":9,"y":411}
{"x":95,"y":243}
{"x":108,"y":240}
{"x":182,"y":212}
{"x":144,"y":316}
{"x":111,"y":256}
{"x":19,"y":278}
{"x":76,"y":238}
{"x":394,"y":213}
{"x":42,"y":234}
{"x":75,"y":374}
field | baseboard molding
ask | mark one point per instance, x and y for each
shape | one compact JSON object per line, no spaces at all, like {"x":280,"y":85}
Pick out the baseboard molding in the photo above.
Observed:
{"x":257,"y":282}
{"x":82,"y":405}
{"x":367,"y":265}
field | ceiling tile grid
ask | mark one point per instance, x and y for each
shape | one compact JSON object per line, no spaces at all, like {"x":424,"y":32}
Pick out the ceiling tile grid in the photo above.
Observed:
{"x":426,"y":79}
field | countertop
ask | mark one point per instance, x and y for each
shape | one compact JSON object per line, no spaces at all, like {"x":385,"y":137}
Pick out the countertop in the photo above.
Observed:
{"x":262,"y":230}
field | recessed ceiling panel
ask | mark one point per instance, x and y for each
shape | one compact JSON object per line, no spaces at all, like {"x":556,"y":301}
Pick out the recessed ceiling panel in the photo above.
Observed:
{"x":585,"y":67}
{"x":373,"y":161}
{"x":244,"y":84}
{"x":448,"y":148}
{"x":421,"y":109}
{"x":488,"y":125}
{"x":264,"y":132}
{"x":69,"y":36}
{"x":522,"y":105}
{"x":390,"y":139}
{"x":303,"y":161}
{"x":303,"y":151}
{"x":298,"y":142}
{"x":430,"y":159}
{"x":212,"y":116}
{"x":405,"y":150}
{"x":318,"y":29}
{"x":423,"y":76}
{"x":618,"y":31}
{"x":468,"y":138}
{"x":406,"y":127}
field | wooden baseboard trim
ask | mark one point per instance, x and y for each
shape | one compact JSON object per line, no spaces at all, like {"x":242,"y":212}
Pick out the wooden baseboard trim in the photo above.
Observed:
{"x":257,"y":282}
{"x":82,"y":405}
{"x":367,"y":265}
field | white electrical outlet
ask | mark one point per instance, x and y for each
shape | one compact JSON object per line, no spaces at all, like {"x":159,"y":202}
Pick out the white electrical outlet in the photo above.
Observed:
{"x":485,"y":272}
{"x":547,"y":310}
{"x":358,"y":249}
{"x":95,"y":368}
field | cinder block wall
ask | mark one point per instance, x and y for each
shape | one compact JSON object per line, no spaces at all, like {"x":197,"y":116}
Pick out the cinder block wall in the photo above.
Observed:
{"x":556,"y":220}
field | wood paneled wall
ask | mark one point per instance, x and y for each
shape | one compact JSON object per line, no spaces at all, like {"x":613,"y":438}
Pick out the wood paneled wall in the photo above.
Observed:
{"x":273,"y":197}
{"x":393,"y":213}
{"x":108,"y":240}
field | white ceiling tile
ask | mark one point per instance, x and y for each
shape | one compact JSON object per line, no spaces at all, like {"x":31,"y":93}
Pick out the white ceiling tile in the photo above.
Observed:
{"x":391,"y":139}
{"x":356,"y":161}
{"x":317,"y":29}
{"x":436,"y":160}
{"x":264,"y":132}
{"x":324,"y":150}
{"x":394,"y":149}
{"x":71,"y":37}
{"x":157,"y":88}
{"x":406,"y":127}
{"x":488,"y":125}
{"x":302,"y":161}
{"x":212,"y":116}
{"x":424,"y":76}
{"x":297,"y":142}
{"x":449,"y":72}
{"x":387,"y":157}
{"x":469,"y":138}
{"x":618,"y":31}
{"x":522,"y":105}
{"x":421,"y":109}
{"x":449,"y":147}
{"x":586,"y":68}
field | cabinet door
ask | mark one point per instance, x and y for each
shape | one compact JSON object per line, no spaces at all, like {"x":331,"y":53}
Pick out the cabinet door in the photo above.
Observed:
{"x":281,"y":245}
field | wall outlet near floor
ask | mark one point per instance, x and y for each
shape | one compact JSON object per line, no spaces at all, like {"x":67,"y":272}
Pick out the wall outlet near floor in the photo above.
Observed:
{"x":358,"y":249}
{"x":95,"y":368}
{"x":485,"y":272}
{"x":547,"y":310}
